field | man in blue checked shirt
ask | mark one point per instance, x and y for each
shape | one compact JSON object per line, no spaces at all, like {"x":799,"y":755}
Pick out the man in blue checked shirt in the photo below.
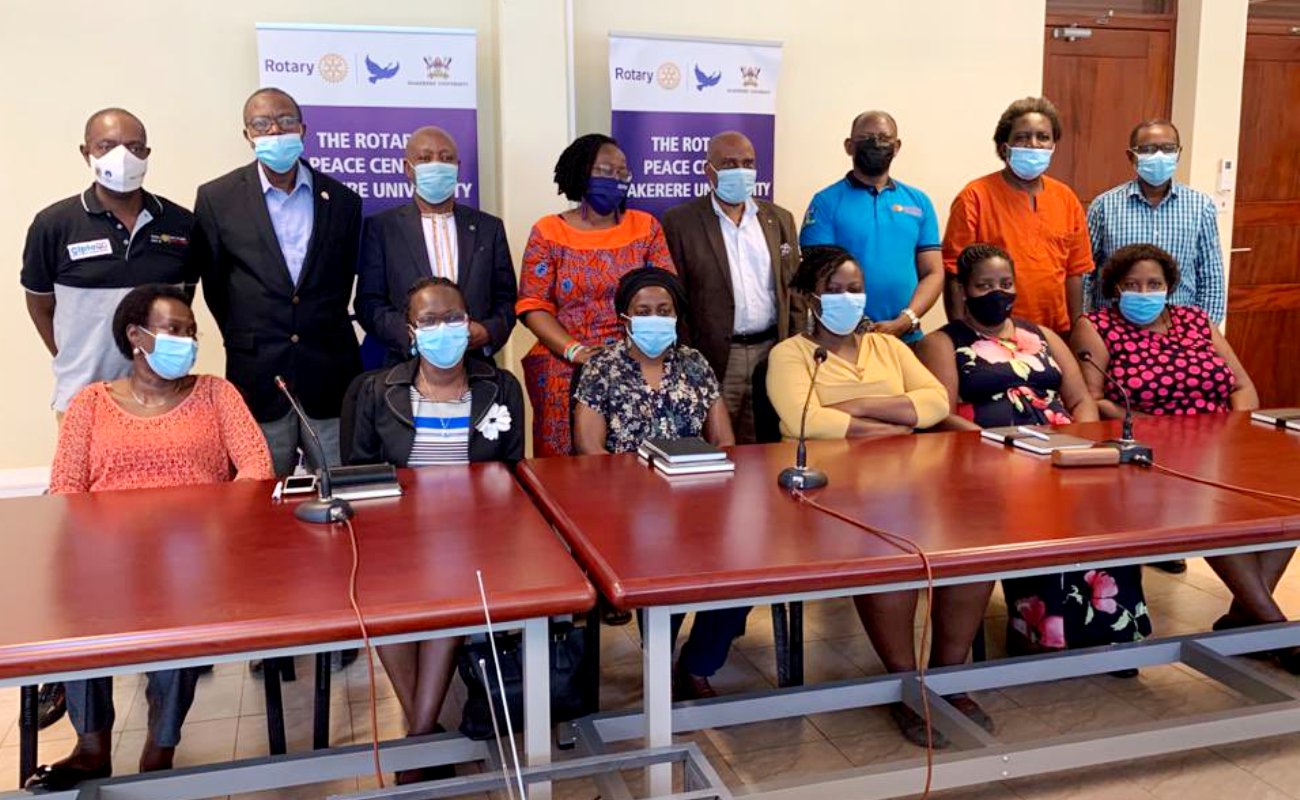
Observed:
{"x":889,"y":227}
{"x":1155,"y":209}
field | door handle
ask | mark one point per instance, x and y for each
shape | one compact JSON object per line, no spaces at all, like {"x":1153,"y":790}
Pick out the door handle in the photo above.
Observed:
{"x":1072,"y":33}
{"x":1241,"y":250}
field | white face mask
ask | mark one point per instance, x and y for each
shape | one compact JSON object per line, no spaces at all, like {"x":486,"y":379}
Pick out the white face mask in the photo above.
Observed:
{"x":119,"y":170}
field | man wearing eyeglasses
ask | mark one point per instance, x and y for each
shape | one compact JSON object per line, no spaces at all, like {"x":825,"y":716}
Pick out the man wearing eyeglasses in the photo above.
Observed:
{"x":276,"y":249}
{"x":1153,"y":208}
{"x":434,"y":236}
{"x":889,"y":227}
{"x":86,"y":252}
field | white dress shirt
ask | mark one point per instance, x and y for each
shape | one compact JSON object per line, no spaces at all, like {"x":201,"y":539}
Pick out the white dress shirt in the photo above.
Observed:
{"x":440,"y":243}
{"x":750,"y":263}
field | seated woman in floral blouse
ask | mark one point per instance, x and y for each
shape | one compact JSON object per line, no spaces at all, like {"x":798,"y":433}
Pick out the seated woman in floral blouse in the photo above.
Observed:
{"x":649,"y":387}
{"x":436,"y":409}
{"x":1012,"y":372}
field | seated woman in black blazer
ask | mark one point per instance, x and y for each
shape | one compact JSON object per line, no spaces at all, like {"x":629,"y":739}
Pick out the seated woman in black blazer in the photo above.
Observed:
{"x":436,"y":408}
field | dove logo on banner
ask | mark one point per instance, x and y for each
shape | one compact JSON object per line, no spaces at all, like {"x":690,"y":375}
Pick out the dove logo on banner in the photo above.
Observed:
{"x":664,"y":125}
{"x":364,"y":90}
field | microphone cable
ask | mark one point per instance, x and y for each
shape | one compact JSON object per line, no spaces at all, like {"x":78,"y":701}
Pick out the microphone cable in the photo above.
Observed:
{"x":1232,"y":487}
{"x":912,"y":548}
{"x":370,"y":660}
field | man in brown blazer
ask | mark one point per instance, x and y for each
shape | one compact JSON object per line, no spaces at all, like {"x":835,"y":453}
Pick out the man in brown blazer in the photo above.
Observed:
{"x":736,"y":256}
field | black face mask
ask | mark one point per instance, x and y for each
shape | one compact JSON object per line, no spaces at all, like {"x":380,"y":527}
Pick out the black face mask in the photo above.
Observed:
{"x":992,"y":308}
{"x":872,"y":159}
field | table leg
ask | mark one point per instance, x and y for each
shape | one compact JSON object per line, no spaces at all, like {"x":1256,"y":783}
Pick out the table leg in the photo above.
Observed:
{"x":537,"y":700}
{"x":275,"y":740}
{"x":320,"y":732}
{"x":796,"y":643}
{"x":658,"y":693}
{"x":29,"y":710}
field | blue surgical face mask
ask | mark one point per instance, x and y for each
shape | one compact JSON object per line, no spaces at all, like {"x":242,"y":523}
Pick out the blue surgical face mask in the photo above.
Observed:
{"x":653,"y":335}
{"x":278,"y":152}
{"x":735,"y":186}
{"x":173,"y":356}
{"x":606,"y":195}
{"x":842,"y":313}
{"x":1142,"y":308}
{"x":442,"y":345}
{"x":1157,"y":169}
{"x":1029,"y":162}
{"x":435,"y":181}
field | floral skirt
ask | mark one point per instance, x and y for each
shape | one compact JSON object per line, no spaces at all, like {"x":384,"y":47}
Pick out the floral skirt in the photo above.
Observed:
{"x":1076,"y":609}
{"x":547,"y":380}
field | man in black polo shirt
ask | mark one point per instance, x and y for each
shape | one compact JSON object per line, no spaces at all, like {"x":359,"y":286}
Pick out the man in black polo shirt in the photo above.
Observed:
{"x":84,"y":254}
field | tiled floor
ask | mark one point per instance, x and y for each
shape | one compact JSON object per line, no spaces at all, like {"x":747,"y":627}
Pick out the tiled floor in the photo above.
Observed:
{"x":228,"y":719}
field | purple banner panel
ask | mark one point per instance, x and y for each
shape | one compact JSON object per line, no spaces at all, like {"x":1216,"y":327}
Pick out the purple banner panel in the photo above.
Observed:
{"x":666,"y":153}
{"x":366,"y":147}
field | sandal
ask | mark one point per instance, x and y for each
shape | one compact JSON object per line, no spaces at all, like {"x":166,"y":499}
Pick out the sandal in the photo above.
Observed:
{"x":912,"y":726}
{"x":971,"y":710}
{"x":62,"y":777}
{"x":52,"y":704}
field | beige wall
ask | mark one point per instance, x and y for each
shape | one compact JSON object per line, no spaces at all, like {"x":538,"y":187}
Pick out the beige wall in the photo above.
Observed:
{"x":944,"y":68}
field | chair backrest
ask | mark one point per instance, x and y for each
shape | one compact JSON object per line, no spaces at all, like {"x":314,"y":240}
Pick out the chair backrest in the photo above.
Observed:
{"x":348,"y":417}
{"x":767,"y":423}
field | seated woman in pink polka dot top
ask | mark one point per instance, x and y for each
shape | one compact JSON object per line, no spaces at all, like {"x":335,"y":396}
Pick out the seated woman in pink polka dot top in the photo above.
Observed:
{"x":1172,"y":360}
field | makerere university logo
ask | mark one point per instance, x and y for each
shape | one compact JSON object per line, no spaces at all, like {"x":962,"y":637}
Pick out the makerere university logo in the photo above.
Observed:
{"x":749,"y":77}
{"x":333,"y":68}
{"x":669,"y":76}
{"x":438,"y":68}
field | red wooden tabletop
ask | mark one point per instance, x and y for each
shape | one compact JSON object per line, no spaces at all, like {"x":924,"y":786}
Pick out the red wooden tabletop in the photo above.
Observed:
{"x":94,"y":580}
{"x":975,"y":506}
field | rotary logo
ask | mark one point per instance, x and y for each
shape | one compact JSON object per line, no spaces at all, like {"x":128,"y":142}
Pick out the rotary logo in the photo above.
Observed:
{"x":333,"y":67}
{"x":669,"y":75}
{"x":749,"y":77}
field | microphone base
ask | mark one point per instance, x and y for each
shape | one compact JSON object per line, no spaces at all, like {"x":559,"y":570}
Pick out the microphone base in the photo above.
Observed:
{"x":804,"y":478}
{"x":324,"y":512}
{"x":1130,"y":451}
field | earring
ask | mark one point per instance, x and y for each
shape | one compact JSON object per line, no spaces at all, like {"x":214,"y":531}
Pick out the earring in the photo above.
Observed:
{"x":137,"y":351}
{"x":809,"y":326}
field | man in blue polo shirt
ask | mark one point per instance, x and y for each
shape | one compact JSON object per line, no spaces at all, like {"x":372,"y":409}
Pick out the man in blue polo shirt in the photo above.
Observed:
{"x":888,"y":226}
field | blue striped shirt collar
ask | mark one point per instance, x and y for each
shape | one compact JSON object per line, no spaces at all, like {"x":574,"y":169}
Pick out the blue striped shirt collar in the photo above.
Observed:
{"x":1135,"y":190}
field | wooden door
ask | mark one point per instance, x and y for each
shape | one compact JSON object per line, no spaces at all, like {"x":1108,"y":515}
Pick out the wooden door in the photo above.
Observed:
{"x":1104,"y":74}
{"x":1264,"y":279}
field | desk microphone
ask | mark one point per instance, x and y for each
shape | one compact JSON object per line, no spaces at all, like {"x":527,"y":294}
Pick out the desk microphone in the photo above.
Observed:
{"x":327,"y":508}
{"x":800,"y":476}
{"x":1130,"y":450}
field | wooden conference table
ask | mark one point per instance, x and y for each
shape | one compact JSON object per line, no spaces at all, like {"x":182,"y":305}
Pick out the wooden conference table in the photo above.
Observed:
{"x":125,"y":582}
{"x":980,"y":510}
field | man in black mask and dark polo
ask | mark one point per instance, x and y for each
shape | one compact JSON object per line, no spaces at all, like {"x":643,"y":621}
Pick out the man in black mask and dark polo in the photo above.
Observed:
{"x":889,"y":227}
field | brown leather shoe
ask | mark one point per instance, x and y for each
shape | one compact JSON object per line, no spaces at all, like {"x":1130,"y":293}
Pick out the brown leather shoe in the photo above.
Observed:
{"x":690,"y":687}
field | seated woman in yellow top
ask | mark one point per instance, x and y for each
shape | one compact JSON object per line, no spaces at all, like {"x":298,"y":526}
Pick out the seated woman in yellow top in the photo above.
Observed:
{"x":872,"y":385}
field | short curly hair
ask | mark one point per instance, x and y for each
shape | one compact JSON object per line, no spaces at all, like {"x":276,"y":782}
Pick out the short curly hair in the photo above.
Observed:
{"x":974,"y":255}
{"x":1023,"y":106}
{"x":573,"y":168}
{"x":818,"y":263}
{"x":1122,"y":261}
{"x":134,"y":310}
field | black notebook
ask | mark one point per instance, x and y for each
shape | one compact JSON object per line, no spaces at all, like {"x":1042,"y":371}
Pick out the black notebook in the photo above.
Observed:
{"x":1279,"y":417}
{"x":690,"y":450}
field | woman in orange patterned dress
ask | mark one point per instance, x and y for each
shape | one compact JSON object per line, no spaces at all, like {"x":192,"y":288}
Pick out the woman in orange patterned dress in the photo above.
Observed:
{"x":159,"y":426}
{"x":571,"y":268}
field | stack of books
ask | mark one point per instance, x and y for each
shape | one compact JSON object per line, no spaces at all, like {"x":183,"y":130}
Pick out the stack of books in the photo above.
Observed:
{"x":690,"y":456}
{"x":1038,"y":439}
{"x":1278,"y":417}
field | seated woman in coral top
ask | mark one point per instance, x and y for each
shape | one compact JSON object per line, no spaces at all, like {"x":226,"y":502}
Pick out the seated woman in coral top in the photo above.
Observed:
{"x":157,"y":427}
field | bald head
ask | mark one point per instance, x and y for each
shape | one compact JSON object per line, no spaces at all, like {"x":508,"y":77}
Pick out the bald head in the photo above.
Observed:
{"x":270,"y":102}
{"x":116,"y":121}
{"x":431,"y":143}
{"x":872,"y":122}
{"x":729,"y":146}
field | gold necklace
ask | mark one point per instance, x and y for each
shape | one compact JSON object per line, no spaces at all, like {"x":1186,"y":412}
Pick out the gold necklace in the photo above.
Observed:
{"x":130,"y":387}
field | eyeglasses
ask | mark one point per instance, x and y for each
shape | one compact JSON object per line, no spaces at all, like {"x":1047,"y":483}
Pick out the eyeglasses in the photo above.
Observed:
{"x":876,"y":140}
{"x":137,"y":149}
{"x":286,"y":122}
{"x":1169,"y":149}
{"x":607,"y":171}
{"x":453,"y":318}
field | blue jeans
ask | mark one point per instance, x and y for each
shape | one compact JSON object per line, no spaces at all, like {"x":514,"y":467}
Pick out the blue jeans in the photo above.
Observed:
{"x":712,"y":633}
{"x":286,"y":436}
{"x":169,"y":693}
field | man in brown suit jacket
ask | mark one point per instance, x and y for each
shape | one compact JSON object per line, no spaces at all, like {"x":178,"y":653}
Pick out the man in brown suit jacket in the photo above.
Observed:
{"x":736,"y":256}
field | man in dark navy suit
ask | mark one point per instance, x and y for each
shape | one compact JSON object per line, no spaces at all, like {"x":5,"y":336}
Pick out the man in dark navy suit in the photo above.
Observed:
{"x":276,"y":246}
{"x":435,"y":236}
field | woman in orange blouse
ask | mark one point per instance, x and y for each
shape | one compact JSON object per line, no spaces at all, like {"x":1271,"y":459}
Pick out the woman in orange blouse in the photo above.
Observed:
{"x":157,"y":427}
{"x":571,"y":268}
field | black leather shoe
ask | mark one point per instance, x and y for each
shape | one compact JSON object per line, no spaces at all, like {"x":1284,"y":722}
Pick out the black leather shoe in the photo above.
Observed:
{"x":1176,"y":567}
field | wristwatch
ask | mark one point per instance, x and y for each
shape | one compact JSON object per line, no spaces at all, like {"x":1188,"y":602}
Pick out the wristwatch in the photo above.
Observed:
{"x":910,"y":314}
